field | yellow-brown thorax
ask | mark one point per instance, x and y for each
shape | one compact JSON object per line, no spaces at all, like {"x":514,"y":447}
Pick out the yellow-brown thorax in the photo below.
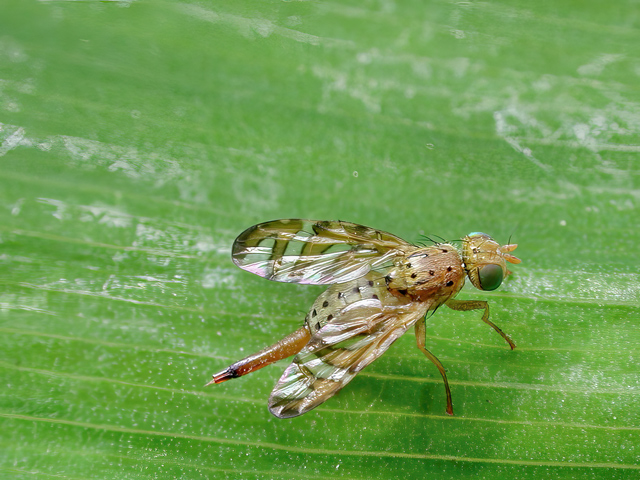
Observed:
{"x":430,"y":273}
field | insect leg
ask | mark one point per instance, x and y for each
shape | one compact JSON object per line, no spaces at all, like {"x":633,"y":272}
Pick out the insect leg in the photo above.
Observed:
{"x":464,"y":305}
{"x":289,"y":345}
{"x":420,"y":339}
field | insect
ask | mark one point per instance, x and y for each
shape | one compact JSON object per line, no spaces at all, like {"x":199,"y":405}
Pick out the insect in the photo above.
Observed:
{"x":379,"y":287}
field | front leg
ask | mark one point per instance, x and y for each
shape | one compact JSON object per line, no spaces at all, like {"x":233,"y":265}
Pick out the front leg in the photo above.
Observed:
{"x":464,"y":305}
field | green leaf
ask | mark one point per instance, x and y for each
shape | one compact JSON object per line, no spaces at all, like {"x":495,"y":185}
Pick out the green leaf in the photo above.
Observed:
{"x":137,"y":139}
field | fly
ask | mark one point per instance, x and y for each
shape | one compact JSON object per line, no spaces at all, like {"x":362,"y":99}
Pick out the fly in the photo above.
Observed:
{"x":379,"y":287}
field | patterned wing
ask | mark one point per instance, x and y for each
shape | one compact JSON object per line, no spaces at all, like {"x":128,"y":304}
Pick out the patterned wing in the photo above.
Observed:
{"x":315,"y":252}
{"x":348,"y":341}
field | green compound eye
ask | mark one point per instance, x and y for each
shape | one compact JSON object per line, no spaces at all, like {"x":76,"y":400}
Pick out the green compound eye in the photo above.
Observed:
{"x":490,"y":276}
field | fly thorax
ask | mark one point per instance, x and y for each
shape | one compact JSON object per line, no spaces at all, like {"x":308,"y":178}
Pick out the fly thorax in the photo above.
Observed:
{"x":431,"y":272}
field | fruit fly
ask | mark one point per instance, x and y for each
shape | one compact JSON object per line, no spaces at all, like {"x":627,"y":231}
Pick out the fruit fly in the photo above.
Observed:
{"x":379,"y":287}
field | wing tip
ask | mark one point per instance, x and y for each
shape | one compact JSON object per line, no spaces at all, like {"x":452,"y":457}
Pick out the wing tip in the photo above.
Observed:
{"x":281,"y":411}
{"x":239,"y":243}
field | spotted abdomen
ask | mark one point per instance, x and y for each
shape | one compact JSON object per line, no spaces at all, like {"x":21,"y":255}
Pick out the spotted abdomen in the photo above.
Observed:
{"x":333,"y":300}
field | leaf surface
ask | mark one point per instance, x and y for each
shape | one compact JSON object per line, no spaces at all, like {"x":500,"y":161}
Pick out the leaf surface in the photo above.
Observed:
{"x":138,"y":139}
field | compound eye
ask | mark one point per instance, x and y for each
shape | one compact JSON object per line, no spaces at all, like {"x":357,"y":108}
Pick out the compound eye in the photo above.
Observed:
{"x":490,"y":276}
